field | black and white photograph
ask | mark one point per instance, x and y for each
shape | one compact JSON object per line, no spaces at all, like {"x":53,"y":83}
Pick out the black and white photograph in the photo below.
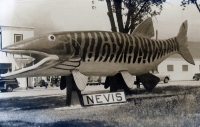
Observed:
{"x":99,"y":63}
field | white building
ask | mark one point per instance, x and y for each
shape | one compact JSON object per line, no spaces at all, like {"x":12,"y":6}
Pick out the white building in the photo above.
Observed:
{"x":10,"y":35}
{"x":178,"y":68}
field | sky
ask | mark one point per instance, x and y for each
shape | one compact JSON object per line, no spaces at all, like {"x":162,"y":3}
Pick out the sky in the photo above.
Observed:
{"x":76,"y":15}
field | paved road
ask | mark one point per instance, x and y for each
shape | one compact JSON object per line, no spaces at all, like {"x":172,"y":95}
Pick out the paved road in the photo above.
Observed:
{"x":55,"y":91}
{"x":42,"y":91}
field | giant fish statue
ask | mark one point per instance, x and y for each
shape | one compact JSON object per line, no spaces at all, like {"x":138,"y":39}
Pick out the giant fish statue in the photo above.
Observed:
{"x":99,"y":53}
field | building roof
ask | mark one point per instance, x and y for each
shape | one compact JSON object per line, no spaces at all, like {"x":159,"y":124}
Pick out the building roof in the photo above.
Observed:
{"x":194,"y":48}
{"x":16,"y":27}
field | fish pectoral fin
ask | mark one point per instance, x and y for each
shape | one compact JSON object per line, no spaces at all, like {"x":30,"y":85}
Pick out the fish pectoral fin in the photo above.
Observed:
{"x":75,"y":58}
{"x":80,"y":79}
{"x":149,"y":81}
{"x":128,"y":79}
{"x":144,"y":29}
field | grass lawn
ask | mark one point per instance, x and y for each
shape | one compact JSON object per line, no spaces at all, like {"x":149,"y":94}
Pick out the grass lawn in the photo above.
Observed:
{"x":168,"y":106}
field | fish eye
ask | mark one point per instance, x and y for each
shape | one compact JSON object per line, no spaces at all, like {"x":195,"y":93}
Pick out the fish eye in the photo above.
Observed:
{"x":51,"y":37}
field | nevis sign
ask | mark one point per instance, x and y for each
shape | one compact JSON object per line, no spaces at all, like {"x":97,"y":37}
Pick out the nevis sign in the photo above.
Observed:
{"x":104,"y":98}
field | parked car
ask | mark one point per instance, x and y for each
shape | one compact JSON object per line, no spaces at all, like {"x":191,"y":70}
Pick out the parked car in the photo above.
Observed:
{"x":55,"y":81}
{"x":96,"y":80}
{"x":8,"y":84}
{"x":163,"y":77}
{"x":40,"y":82}
{"x":196,"y":76}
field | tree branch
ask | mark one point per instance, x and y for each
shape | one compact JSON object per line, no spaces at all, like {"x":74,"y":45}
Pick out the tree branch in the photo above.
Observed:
{"x":197,"y":5}
{"x":137,"y":15}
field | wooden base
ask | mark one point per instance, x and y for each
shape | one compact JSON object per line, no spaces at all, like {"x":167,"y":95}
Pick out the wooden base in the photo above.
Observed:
{"x":73,"y":94}
{"x":117,"y":83}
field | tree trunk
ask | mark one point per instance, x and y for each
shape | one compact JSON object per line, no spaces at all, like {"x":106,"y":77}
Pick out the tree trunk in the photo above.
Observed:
{"x":130,"y":12}
{"x":110,"y":15}
{"x":118,"y":8}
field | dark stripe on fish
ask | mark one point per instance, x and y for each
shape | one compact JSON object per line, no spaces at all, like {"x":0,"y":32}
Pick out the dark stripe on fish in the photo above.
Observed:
{"x":155,"y":50}
{"x":105,"y":37}
{"x":164,"y":45}
{"x":174,"y":44}
{"x":145,"y":51}
{"x":171,"y":43}
{"x":98,"y":47}
{"x":106,"y":50}
{"x":113,"y":39}
{"x":159,"y":50}
{"x":141,"y":50}
{"x":136,"y":49}
{"x":85,"y":46}
{"x":123,"y":41}
{"x":130,"y":49}
{"x":126,"y":47}
{"x":177,"y":48}
{"x":168,"y":47}
{"x":120,"y":45}
{"x":150,"y":50}
{"x":92,"y":42}
{"x":74,"y":43}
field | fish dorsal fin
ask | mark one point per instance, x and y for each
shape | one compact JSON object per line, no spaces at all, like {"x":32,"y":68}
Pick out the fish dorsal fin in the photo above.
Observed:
{"x":144,"y":29}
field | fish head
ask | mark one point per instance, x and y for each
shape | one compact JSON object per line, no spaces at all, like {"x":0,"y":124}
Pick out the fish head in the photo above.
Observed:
{"x":43,"y":52}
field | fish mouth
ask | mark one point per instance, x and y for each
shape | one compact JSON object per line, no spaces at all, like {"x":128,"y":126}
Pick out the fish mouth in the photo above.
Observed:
{"x":29,"y":60}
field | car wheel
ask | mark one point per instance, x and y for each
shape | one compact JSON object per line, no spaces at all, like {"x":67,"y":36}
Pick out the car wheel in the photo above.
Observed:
{"x":166,"y":80}
{"x":2,"y":90}
{"x":195,"y":78}
{"x":9,"y":88}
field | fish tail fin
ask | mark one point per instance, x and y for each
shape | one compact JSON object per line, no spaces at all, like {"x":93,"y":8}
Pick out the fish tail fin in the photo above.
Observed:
{"x":183,"y":43}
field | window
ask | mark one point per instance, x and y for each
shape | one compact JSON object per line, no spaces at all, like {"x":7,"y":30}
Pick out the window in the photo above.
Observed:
{"x":184,"y":67}
{"x":18,"y":37}
{"x":170,"y":68}
{"x":5,"y":67}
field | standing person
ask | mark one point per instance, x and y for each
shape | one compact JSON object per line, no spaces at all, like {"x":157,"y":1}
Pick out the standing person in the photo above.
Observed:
{"x":52,"y":81}
{"x":56,"y":80}
{"x":46,"y":84}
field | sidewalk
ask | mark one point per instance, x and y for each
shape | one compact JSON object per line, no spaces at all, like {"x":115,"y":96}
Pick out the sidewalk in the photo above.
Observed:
{"x":50,"y":91}
{"x":38,"y":91}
